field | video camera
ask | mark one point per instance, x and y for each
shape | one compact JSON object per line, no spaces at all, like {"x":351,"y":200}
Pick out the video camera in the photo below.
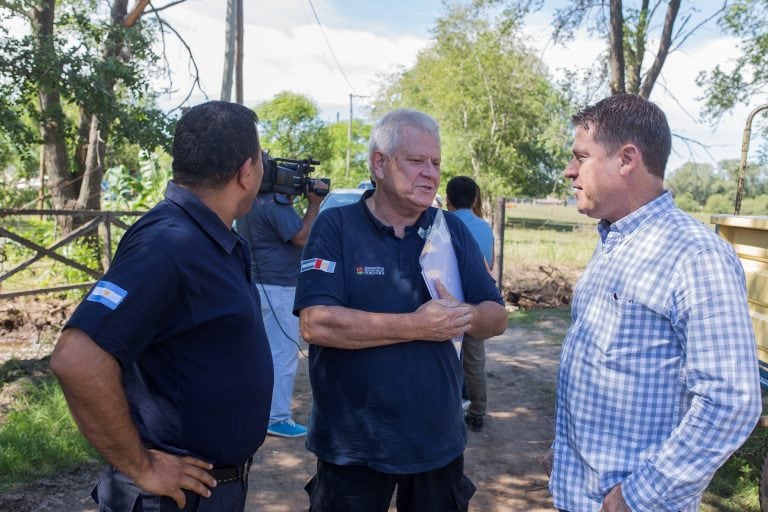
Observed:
{"x":291,"y":177}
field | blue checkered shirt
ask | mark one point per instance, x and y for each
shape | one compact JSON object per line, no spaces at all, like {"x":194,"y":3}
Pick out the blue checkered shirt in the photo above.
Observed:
{"x":658,"y":379}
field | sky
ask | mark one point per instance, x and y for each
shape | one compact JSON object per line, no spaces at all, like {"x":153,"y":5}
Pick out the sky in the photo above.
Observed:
{"x":286,"y":49}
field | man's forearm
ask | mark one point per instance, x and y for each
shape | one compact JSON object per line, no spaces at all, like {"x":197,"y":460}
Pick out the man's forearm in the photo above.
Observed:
{"x":91,"y":380}
{"x":340,"y":327}
{"x":300,"y":239}
{"x":488,"y":319}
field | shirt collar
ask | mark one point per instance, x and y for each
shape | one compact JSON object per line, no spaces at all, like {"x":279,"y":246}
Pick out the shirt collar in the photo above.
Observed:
{"x":203,"y":216}
{"x":424,"y":221}
{"x":627,"y":226}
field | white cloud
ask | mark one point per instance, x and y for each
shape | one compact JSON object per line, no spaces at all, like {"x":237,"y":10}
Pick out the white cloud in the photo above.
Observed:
{"x":277,"y":58}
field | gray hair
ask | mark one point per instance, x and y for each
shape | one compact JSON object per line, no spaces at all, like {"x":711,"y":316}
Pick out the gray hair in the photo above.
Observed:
{"x":386,"y":135}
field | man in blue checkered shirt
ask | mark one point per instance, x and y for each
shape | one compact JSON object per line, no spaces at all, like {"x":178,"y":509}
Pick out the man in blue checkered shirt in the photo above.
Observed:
{"x":658,"y":380}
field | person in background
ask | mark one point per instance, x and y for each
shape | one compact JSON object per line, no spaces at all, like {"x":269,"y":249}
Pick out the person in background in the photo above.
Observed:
{"x":276,"y":235}
{"x":165,"y":364}
{"x":658,"y":381}
{"x":386,"y":380}
{"x":461,"y":195}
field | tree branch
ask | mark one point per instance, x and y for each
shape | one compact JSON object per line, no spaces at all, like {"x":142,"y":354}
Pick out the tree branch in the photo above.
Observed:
{"x":196,"y":74}
{"x":617,"y":47}
{"x":685,"y":36}
{"x":155,"y":10}
{"x":664,"y":44}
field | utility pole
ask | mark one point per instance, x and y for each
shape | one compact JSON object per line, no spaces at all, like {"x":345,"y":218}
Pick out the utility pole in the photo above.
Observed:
{"x":349,"y":129}
{"x":239,"y":54}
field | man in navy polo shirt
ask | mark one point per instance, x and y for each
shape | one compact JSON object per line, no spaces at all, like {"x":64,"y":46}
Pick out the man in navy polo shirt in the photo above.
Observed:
{"x":165,"y":364}
{"x":385,"y":379}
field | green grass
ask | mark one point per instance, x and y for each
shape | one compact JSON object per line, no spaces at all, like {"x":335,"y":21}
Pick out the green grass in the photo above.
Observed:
{"x":735,"y":485}
{"x":38,"y":436}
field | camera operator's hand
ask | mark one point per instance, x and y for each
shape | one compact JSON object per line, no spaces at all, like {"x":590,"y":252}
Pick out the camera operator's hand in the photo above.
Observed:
{"x":313,"y":198}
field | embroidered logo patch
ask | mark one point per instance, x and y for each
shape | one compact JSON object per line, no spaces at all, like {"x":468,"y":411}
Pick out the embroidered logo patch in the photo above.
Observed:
{"x":108,"y":294}
{"x":318,"y":264}
{"x":363,"y":270}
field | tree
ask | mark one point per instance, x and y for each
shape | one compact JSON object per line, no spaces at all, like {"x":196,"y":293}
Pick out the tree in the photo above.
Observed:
{"x":335,"y":167}
{"x":80,"y":79}
{"x":501,"y":119}
{"x":628,"y":30}
{"x":724,"y":89}
{"x":699,"y":181}
{"x":291,"y":128}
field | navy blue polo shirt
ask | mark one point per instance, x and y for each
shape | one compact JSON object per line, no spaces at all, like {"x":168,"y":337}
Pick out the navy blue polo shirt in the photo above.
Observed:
{"x":179,"y":312}
{"x":396,"y":408}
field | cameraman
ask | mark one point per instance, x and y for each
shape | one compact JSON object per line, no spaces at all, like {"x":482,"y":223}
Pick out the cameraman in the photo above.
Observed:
{"x":276,"y":235}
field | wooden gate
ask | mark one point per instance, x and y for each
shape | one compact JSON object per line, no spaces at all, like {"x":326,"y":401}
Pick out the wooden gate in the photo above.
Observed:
{"x":98,"y":222}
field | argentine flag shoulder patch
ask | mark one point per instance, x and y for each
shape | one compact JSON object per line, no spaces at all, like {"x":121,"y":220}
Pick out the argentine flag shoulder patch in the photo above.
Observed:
{"x":318,"y":264}
{"x":108,"y":294}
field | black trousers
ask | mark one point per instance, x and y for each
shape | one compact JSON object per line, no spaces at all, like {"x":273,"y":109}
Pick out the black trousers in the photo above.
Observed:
{"x":357,"y":488}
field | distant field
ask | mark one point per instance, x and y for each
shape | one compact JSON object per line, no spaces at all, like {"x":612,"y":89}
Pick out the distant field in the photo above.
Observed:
{"x":547,"y":212}
{"x":551,"y":236}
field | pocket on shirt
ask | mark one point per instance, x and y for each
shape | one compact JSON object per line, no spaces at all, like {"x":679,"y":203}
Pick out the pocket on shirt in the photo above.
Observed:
{"x":621,"y":323}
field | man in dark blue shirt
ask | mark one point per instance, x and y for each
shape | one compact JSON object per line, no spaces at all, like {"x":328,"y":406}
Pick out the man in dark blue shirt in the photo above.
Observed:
{"x":385,"y":378}
{"x":165,"y":364}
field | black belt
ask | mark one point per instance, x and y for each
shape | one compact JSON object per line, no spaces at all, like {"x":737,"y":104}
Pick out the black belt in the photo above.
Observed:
{"x":229,"y":474}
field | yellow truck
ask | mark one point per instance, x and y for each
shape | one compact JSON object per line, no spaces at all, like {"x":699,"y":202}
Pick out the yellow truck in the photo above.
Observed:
{"x":748,"y":234}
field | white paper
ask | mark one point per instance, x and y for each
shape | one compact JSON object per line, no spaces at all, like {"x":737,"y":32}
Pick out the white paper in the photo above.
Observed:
{"x":438,"y":261}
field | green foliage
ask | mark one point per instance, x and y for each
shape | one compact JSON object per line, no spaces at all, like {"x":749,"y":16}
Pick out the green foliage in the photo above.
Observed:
{"x":719,"y":203}
{"x":39,"y":437}
{"x":695,"y":179}
{"x":290,"y":128}
{"x":336,"y":166}
{"x":687,"y":203}
{"x":755,"y":205}
{"x":93,"y":66}
{"x":502,"y":122}
{"x":138,"y":188}
{"x":734,"y":486}
{"x":748,"y":78}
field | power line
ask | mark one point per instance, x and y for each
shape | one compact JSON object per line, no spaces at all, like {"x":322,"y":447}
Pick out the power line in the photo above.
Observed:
{"x":333,"y":54}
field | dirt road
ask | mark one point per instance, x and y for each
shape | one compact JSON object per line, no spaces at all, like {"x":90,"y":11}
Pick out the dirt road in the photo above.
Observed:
{"x":502,"y":461}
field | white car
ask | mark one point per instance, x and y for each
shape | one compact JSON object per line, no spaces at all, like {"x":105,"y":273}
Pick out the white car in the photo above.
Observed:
{"x":341,"y":196}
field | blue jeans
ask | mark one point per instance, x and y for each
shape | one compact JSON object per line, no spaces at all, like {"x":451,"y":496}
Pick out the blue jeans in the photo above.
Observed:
{"x":117,"y":492}
{"x":283,"y":334}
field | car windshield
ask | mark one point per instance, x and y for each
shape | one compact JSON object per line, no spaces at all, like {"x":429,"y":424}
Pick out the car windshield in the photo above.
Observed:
{"x":340,"y":198}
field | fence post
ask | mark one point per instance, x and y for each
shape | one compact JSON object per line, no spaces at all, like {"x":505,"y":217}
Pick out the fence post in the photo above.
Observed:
{"x":106,"y":256}
{"x":499,"y":220}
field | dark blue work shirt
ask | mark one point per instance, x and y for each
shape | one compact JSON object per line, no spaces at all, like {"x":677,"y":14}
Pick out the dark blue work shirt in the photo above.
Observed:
{"x":178,"y":310}
{"x":269,"y":227}
{"x":395,"y":408}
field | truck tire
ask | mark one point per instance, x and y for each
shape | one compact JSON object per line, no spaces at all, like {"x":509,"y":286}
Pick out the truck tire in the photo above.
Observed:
{"x":764,"y":485}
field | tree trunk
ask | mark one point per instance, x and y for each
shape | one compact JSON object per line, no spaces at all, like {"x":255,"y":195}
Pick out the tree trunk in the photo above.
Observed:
{"x":230,"y":33}
{"x":91,"y":161}
{"x":664,"y":44}
{"x":90,"y":189}
{"x":617,"y":47}
{"x":62,"y":186}
{"x":636,"y":52}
